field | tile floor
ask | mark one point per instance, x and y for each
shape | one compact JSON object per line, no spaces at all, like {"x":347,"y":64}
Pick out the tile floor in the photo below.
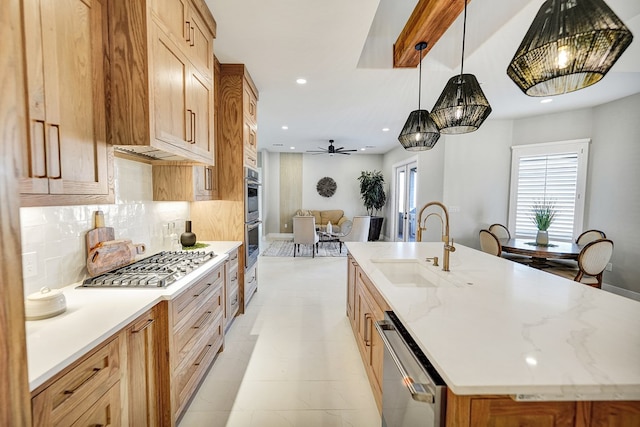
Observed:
{"x":291,"y":360}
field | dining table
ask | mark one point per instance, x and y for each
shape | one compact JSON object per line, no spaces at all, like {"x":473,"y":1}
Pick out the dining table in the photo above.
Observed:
{"x":540,"y":254}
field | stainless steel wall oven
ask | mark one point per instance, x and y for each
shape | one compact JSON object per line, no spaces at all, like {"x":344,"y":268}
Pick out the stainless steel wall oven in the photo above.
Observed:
{"x":252,"y":216}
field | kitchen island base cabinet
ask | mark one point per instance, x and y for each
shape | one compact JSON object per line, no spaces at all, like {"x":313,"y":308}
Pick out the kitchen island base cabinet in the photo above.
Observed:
{"x":481,"y":411}
{"x":368,"y":307}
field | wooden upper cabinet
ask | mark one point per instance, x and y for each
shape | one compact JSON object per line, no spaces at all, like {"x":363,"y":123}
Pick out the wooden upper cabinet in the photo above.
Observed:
{"x":162,"y":94}
{"x":185,"y":24}
{"x":66,"y":159}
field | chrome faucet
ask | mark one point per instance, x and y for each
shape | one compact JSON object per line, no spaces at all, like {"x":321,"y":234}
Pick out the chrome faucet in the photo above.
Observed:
{"x":448,"y":244}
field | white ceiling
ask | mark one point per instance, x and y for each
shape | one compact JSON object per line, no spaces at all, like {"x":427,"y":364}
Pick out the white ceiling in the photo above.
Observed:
{"x":344,"y":50}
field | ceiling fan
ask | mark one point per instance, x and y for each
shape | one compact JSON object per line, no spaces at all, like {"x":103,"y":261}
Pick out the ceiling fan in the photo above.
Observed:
{"x":331,"y":150}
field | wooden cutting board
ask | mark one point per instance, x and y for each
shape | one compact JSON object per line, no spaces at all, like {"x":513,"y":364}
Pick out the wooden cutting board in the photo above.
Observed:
{"x":109,"y":255}
{"x":100,"y":233}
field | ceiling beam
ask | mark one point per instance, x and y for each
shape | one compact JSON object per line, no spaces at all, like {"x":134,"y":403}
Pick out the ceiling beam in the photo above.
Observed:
{"x":428,"y":22}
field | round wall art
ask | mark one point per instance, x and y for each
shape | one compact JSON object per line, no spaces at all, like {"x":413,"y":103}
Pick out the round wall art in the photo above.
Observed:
{"x":326,"y":187}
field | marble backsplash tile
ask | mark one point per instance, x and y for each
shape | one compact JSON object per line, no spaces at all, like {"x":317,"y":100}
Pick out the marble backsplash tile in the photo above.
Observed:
{"x":56,"y":234}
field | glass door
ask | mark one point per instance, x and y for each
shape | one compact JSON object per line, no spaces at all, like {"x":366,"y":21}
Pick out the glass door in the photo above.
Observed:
{"x":405,"y":202}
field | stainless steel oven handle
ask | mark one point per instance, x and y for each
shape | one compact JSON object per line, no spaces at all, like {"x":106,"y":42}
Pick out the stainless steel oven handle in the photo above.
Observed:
{"x":417,"y":390}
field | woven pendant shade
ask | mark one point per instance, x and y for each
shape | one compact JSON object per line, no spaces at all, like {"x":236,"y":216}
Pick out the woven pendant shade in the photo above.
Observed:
{"x":419,"y":132}
{"x":462,"y":106}
{"x":570,"y":45}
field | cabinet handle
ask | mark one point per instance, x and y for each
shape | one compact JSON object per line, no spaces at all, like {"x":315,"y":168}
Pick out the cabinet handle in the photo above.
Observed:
{"x":39,"y":159}
{"x":145,"y":326}
{"x":54,"y":147}
{"x":367,"y":329}
{"x":199,"y":361}
{"x":188,"y":28}
{"x":193,"y":127}
{"x":94,"y":372}
{"x":192,"y":36}
{"x":197,"y":295}
{"x":207,"y":179}
{"x":206,"y":317}
{"x":190,"y":138}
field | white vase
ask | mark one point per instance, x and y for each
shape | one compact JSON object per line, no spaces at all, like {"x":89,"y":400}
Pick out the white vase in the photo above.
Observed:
{"x":542,"y":238}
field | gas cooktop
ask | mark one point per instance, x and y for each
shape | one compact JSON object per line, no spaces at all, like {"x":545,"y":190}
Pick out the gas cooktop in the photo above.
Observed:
{"x":157,"y":271}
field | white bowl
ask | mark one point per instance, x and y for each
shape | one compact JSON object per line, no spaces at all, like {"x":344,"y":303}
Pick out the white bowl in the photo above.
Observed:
{"x":45,"y":304}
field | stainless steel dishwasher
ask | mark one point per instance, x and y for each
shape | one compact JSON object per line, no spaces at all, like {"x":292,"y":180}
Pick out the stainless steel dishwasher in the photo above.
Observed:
{"x":413,"y":393}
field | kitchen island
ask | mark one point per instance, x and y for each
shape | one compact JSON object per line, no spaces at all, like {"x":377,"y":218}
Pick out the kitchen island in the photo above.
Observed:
{"x":494,"y":327}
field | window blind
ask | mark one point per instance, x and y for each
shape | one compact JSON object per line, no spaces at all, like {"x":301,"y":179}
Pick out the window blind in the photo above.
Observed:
{"x":550,"y":178}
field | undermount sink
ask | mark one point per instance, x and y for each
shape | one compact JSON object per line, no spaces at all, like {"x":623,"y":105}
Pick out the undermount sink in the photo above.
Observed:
{"x":408,"y":273}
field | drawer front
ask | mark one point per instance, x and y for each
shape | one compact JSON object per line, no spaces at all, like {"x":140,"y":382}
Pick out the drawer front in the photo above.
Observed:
{"x":196,"y":295}
{"x":233,"y":303}
{"x":75,"y":392}
{"x":233,"y":258}
{"x":105,"y":412}
{"x":187,"y":337}
{"x":187,"y":377}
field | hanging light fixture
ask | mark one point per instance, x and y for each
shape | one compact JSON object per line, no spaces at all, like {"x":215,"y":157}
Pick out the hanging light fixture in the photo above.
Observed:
{"x":419,"y":132}
{"x":570,"y":45}
{"x":462,"y":106}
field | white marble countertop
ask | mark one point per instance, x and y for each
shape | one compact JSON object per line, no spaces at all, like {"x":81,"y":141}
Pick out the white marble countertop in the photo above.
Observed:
{"x":93,"y":315}
{"x":492,"y":326}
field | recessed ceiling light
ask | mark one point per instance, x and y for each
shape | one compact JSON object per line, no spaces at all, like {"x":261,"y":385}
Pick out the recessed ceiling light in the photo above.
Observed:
{"x":546,"y":101}
{"x":385,"y":129}
{"x":285,"y":127}
{"x":292,"y":148}
{"x":362,"y":149}
{"x":301,"y":81}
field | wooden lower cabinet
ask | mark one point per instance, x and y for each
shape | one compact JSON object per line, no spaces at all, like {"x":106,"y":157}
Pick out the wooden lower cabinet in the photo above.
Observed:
{"x":365,"y":306}
{"x":87,"y":391}
{"x":195,"y":334}
{"x":369,"y":307}
{"x":143,"y":386}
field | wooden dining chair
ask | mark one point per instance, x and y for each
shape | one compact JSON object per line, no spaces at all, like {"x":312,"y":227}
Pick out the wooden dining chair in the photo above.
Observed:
{"x":489,"y":243}
{"x":500,"y":231}
{"x":590,"y":236}
{"x":592,"y":261}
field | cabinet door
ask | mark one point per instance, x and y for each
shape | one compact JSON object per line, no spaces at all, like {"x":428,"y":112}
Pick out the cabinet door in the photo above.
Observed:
{"x":506,"y":412}
{"x":200,"y":106}
{"x":200,"y":41}
{"x":143,"y":381}
{"x":172,"y":15}
{"x":206,"y":182}
{"x":105,"y":412}
{"x":618,"y":414}
{"x":67,"y":152}
{"x":172,"y":121}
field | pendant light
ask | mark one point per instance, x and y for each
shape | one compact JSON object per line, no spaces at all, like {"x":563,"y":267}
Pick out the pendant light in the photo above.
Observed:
{"x":419,"y":132}
{"x":462,"y":106}
{"x":570,"y":45}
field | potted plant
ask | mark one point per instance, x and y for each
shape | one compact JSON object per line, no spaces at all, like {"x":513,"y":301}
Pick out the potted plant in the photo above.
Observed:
{"x":543,"y":213}
{"x":372,"y":193}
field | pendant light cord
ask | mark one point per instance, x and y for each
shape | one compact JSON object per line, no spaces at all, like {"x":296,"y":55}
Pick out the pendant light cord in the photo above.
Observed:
{"x":420,"y":77}
{"x":464,"y":36}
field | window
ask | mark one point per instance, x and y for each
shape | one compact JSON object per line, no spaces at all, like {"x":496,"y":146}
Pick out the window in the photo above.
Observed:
{"x":554,"y":172}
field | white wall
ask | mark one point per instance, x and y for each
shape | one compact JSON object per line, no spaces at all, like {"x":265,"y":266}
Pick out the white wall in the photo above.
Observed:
{"x":476,"y":179}
{"x":345,"y":171}
{"x":57,"y":234}
{"x":613,"y":186}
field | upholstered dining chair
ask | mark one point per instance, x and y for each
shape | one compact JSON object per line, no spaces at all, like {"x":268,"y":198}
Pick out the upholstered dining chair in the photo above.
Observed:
{"x":359,"y":231}
{"x":590,"y":236}
{"x":304,"y":233}
{"x":500,"y":231}
{"x":489,"y":243}
{"x":592,"y":261}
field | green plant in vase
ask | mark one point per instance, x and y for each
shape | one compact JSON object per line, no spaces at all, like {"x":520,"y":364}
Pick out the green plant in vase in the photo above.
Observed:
{"x":543,"y":214}
{"x":374,"y":198}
